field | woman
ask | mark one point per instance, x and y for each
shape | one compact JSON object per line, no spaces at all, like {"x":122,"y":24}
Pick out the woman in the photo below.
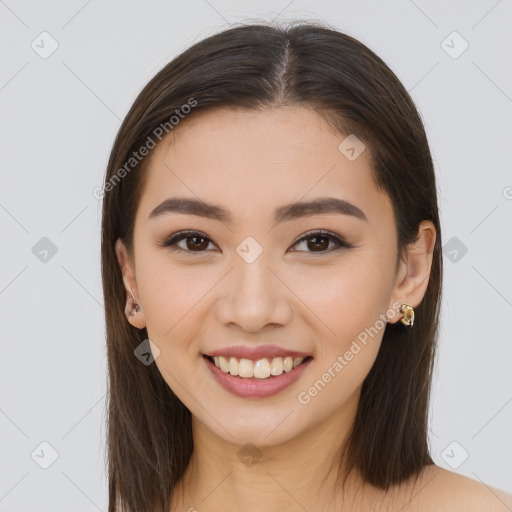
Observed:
{"x":271,"y":258}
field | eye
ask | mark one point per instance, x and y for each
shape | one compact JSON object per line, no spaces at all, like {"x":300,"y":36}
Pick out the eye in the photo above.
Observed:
{"x":194,"y":241}
{"x":318,"y":242}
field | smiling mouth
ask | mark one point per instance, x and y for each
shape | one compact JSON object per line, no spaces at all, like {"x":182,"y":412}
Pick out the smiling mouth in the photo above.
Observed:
{"x":259,"y":369}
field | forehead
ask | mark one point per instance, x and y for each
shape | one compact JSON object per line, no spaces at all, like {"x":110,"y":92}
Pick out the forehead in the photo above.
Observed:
{"x":253,"y":162}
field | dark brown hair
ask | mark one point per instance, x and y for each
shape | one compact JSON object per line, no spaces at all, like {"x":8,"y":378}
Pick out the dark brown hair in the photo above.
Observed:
{"x":257,"y":67}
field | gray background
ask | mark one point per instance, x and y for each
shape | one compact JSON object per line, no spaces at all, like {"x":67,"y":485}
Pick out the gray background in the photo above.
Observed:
{"x":59,"y":118}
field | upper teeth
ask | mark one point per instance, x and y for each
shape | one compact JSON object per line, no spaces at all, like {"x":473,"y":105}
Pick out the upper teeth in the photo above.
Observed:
{"x":261,"y":369}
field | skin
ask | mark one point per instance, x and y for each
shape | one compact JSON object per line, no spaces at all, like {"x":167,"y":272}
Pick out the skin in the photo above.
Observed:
{"x":292,"y":295}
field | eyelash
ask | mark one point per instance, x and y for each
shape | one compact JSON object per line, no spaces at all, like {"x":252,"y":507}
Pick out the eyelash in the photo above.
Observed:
{"x":183,"y":235}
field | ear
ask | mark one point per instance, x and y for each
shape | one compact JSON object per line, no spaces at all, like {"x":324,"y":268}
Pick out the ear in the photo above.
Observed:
{"x":128,"y":270}
{"x":414,"y":270}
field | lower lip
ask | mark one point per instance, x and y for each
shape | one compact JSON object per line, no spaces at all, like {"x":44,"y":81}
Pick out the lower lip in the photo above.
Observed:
{"x":253,"y":387}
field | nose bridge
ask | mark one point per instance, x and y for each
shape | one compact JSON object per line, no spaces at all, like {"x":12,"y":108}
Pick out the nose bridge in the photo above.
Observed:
{"x":253,"y":277}
{"x":251,"y":259}
{"x":256,"y":297}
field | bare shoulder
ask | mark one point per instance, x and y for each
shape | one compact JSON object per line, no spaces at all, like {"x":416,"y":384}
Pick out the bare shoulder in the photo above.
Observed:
{"x":440,"y":489}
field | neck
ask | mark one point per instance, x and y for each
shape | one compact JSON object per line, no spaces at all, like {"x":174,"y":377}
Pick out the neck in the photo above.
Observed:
{"x":299,"y":474}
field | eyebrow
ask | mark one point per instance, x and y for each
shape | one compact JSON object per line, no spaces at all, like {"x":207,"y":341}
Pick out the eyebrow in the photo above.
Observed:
{"x":191,"y":206}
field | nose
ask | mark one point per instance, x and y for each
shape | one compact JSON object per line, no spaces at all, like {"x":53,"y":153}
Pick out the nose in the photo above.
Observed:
{"x":254,"y":297}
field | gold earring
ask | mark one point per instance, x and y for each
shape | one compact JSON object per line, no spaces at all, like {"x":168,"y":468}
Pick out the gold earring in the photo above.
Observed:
{"x":408,"y":312}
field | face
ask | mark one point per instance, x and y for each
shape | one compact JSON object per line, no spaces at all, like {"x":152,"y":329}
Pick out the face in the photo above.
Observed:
{"x":244,"y":284}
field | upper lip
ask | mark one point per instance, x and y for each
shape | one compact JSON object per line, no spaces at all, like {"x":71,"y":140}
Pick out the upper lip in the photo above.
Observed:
{"x":260,"y":352}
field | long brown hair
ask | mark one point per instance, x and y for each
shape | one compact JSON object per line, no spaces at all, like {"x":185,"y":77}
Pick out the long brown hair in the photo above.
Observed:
{"x":255,"y":67}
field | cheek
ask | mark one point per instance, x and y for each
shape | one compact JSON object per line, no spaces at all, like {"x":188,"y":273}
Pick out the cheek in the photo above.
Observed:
{"x":344,"y":359}
{"x":350,"y":303}
{"x":176,"y":301}
{"x":172,"y":295}
{"x":346,"y":298}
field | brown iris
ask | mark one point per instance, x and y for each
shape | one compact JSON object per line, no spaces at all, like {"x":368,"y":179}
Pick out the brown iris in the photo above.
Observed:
{"x":318,"y":245}
{"x":201,"y":246}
